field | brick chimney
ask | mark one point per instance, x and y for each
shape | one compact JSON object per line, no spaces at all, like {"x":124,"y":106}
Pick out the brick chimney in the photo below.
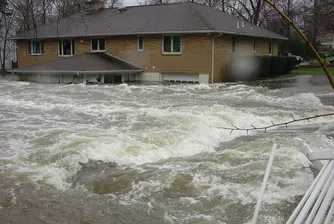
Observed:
{"x":92,"y":6}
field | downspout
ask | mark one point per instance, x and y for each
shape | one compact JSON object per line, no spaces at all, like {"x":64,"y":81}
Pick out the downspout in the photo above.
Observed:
{"x":213,"y":56}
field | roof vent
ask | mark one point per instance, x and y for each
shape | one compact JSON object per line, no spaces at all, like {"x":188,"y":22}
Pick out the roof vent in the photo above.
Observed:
{"x":93,"y":6}
{"x":121,"y":9}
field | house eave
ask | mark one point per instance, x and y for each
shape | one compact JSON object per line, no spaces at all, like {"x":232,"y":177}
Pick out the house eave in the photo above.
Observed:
{"x":149,"y":33}
{"x":253,"y":35}
{"x":115,"y":34}
{"x":53,"y":72}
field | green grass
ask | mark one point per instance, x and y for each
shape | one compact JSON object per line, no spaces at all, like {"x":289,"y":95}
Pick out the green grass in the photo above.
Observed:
{"x":307,"y":71}
{"x":6,"y":204}
{"x":327,"y":59}
{"x":311,"y":71}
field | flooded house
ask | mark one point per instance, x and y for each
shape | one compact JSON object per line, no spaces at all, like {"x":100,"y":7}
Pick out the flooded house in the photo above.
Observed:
{"x":179,"y":42}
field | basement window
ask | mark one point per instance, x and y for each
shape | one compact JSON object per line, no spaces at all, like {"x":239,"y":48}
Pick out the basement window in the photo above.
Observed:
{"x":270,"y":48}
{"x":172,"y":45}
{"x":66,"y":48}
{"x":254,"y":45}
{"x":234,"y":44}
{"x":35,"y":48}
{"x":98,"y":45}
{"x":140,"y":44}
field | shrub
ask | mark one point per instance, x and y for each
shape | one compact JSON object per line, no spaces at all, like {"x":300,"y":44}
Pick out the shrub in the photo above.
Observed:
{"x":277,"y":65}
{"x":265,"y":66}
{"x":291,"y":63}
{"x":244,"y":68}
{"x":295,"y":45}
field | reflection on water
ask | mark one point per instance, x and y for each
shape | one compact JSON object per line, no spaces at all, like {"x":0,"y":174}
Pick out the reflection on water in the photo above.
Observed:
{"x":149,"y":153}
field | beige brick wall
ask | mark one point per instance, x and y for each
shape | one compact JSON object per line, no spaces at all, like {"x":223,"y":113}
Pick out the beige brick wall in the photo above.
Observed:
{"x":82,"y":46}
{"x":50,"y":53}
{"x":195,"y":56}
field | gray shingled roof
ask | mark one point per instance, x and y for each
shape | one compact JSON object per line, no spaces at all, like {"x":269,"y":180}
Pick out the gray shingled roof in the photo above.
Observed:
{"x":82,"y":63}
{"x":175,"y":18}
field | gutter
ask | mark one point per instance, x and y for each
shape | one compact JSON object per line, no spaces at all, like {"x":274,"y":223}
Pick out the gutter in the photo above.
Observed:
{"x":57,"y":72}
{"x":17,"y":37}
{"x":213,"y":55}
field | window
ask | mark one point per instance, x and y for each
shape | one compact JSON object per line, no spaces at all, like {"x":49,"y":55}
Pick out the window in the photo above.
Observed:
{"x":270,"y":47}
{"x":140,"y":44}
{"x":172,"y":44}
{"x":66,"y":48}
{"x":35,"y":48}
{"x":254,"y":45}
{"x":98,"y":44}
{"x":234,"y":44}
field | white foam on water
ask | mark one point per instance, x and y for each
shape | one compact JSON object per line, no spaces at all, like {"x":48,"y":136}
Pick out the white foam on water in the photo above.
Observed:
{"x":142,"y":127}
{"x":270,"y":97}
{"x":190,"y":200}
{"x":180,"y":132}
{"x":17,"y":84}
{"x":189,"y":218}
{"x":327,"y":129}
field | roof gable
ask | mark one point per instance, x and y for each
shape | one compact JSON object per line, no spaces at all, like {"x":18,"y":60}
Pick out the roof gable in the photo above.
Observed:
{"x":183,"y":17}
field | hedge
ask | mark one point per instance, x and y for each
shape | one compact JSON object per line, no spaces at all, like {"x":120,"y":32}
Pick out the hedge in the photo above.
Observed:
{"x":244,"y":68}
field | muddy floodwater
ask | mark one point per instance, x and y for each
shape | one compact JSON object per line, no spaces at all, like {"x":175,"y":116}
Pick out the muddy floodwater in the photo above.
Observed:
{"x":150,"y":153}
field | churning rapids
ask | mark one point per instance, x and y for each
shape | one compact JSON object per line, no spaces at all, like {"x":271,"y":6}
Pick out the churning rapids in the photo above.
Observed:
{"x":149,"y":153}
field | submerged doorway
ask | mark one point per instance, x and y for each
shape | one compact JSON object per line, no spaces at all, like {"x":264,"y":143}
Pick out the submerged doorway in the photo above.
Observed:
{"x":112,"y":78}
{"x":117,"y":78}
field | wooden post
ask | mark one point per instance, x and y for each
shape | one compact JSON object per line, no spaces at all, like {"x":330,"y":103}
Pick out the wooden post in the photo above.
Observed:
{"x":323,"y":65}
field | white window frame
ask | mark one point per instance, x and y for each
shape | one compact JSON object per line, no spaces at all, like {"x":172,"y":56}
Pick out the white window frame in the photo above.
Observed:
{"x":98,"y":45}
{"x":254,"y":46}
{"x":172,"y":42}
{"x":236,"y":45}
{"x":72,"y":42}
{"x":31,"y":43}
{"x":270,"y":48}
{"x":142,"y":49}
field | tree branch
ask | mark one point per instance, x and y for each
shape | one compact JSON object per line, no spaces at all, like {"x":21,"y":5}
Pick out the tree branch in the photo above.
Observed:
{"x":235,"y":128}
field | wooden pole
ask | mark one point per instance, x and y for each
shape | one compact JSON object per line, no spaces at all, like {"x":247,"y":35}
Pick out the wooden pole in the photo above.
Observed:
{"x":323,"y":65}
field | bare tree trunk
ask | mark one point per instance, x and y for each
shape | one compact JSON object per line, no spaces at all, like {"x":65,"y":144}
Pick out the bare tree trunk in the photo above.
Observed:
{"x":315,"y":27}
{"x":3,"y":63}
{"x":4,"y":46}
{"x":257,"y":10}
{"x":288,"y":29}
{"x":44,"y":13}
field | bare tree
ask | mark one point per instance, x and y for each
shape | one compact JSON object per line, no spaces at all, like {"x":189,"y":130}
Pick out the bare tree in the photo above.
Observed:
{"x":248,"y":10}
{"x":318,"y":18}
{"x":7,"y":48}
{"x":326,"y":10}
{"x":3,"y":4}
